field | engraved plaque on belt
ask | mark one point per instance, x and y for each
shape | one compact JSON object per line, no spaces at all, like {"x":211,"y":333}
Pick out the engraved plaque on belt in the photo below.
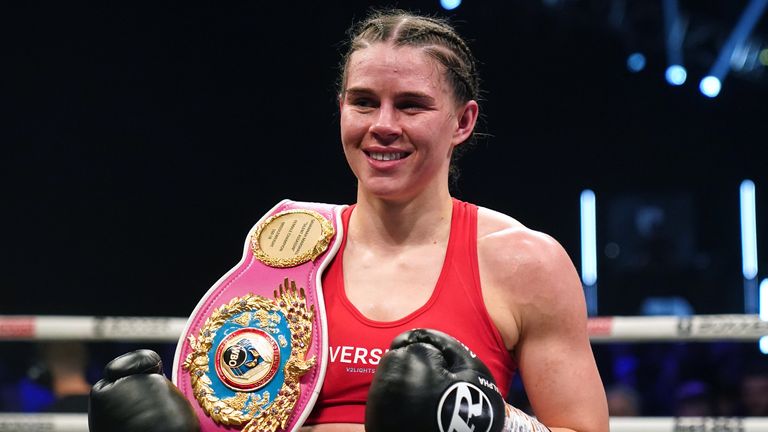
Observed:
{"x":291,"y":238}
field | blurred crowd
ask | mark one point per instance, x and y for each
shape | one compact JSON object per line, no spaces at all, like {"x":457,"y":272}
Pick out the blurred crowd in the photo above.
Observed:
{"x":680,"y":379}
{"x":659,"y":379}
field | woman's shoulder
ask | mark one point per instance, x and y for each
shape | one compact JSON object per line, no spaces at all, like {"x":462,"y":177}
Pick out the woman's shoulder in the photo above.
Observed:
{"x":510,"y":249}
{"x":497,"y":227}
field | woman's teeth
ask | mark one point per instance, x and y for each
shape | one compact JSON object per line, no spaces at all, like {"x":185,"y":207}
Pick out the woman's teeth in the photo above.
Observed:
{"x":387,"y":156}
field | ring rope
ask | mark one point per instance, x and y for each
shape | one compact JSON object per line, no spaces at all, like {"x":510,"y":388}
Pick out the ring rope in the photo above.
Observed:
{"x":700,"y":328}
{"x":79,"y":423}
{"x":689,"y":424}
{"x":43,"y":422}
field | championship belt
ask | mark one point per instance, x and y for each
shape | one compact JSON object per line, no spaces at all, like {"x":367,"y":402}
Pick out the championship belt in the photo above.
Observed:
{"x":253,"y":354}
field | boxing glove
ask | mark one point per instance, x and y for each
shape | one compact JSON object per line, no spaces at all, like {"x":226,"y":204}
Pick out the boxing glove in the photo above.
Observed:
{"x":430,"y":382}
{"x":135,"y":396}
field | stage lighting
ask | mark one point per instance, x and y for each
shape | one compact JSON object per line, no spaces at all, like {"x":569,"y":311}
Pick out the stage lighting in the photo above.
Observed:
{"x":763,"y":57}
{"x":752,"y":294}
{"x":588,"y":238}
{"x":764,"y":313}
{"x":450,"y":4}
{"x":589,"y":250}
{"x":764,"y":300}
{"x":636,"y":62}
{"x":674,"y":29}
{"x":748,"y":229}
{"x":676,"y":75}
{"x":710,"y":86}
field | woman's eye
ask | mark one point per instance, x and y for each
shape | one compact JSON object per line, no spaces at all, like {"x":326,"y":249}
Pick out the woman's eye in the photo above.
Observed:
{"x":363,"y":102}
{"x":410,"y":106}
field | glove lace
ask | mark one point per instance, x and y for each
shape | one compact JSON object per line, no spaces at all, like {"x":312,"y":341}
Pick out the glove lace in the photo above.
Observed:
{"x":518,"y":421}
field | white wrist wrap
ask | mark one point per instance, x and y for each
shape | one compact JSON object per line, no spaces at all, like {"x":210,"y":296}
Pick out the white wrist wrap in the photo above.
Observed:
{"x":518,"y":421}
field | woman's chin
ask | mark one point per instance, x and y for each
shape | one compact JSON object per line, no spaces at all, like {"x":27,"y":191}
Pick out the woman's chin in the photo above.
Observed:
{"x":386,"y":192}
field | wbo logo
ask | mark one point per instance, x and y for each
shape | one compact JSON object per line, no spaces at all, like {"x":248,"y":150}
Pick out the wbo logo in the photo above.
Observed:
{"x":248,"y":359}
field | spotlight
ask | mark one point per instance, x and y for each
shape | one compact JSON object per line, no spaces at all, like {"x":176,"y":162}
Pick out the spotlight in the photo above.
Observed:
{"x":674,"y":28}
{"x":748,"y":229}
{"x":636,"y":62}
{"x":588,"y":238}
{"x":676,"y":75}
{"x":710,"y":86}
{"x":450,"y":4}
{"x":763,"y":57}
{"x":764,"y":313}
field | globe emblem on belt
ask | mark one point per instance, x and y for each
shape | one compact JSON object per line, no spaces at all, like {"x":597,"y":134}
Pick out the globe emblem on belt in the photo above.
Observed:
{"x":247,"y":359}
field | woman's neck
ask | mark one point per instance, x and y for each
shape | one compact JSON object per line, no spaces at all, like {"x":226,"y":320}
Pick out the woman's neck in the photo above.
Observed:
{"x":427,"y":218}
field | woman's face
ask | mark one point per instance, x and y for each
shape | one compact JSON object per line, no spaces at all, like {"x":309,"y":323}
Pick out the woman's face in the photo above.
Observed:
{"x":400,"y":122}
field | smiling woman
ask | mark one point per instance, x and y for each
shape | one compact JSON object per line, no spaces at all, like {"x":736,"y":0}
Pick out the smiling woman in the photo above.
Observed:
{"x":400,"y":122}
{"x":433,"y":37}
{"x":487,"y":294}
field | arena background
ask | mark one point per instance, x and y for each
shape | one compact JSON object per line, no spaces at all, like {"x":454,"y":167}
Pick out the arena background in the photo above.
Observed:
{"x":142,"y":141}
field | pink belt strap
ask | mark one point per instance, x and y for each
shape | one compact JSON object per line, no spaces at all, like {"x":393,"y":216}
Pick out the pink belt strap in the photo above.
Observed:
{"x":253,"y":354}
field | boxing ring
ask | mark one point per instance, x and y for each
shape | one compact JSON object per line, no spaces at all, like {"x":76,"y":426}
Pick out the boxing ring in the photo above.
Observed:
{"x":697,"y":328}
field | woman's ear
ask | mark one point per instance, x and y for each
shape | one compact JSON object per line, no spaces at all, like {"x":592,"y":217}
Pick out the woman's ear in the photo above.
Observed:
{"x":466,"y":118}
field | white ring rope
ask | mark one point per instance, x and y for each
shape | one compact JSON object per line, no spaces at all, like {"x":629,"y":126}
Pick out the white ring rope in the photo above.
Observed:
{"x":689,"y":424}
{"x":743,"y":328}
{"x":88,"y":328}
{"x":601,"y":329}
{"x":701,"y":328}
{"x":79,"y":423}
{"x":43,"y":422}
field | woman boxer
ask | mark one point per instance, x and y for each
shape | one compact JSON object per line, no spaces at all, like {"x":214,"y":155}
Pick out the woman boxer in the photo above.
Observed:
{"x":413,"y":256}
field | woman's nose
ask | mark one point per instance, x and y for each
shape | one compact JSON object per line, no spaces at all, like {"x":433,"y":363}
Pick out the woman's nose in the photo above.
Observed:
{"x":386,"y":127}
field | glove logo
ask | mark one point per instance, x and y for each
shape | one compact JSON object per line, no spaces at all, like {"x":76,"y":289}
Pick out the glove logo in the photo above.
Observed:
{"x":464,"y":408}
{"x":247,"y":359}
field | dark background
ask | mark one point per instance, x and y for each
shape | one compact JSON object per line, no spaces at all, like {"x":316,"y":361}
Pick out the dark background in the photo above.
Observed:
{"x":142,"y":141}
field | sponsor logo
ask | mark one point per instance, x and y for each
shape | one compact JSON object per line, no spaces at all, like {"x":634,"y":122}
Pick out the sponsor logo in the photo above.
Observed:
{"x":684,"y":327}
{"x":119,"y":327}
{"x":464,"y":408}
{"x":708,"y":424}
{"x":247,"y":359}
{"x":490,"y":384}
{"x":360,"y":370}
{"x":730,"y":326}
{"x":356,"y":355}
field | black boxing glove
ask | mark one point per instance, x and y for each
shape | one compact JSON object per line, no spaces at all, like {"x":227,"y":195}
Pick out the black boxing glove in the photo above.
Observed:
{"x":135,"y":396}
{"x":431,"y":382}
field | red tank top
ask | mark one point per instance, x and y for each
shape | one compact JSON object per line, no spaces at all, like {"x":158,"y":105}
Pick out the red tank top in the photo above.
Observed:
{"x":456,"y":307}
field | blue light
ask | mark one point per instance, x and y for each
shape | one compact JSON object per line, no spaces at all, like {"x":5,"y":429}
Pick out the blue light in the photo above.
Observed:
{"x":764,"y":313}
{"x":710,"y":86}
{"x":676,"y":75}
{"x":738,"y":36}
{"x":636,"y":62}
{"x":748,"y":229}
{"x":450,"y":4}
{"x":674,"y":28}
{"x":588,"y":238}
